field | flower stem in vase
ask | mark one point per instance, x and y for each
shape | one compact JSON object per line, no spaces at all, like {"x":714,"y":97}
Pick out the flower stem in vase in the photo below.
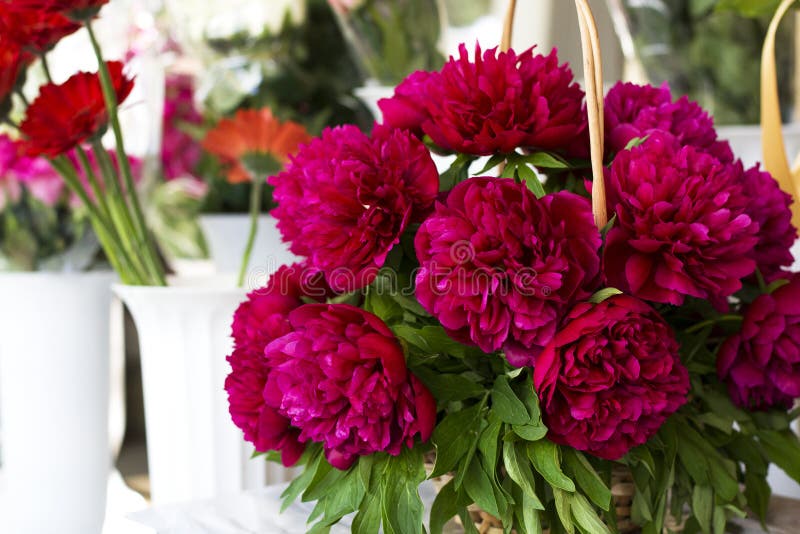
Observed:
{"x":154,"y":264}
{"x":255,"y":209}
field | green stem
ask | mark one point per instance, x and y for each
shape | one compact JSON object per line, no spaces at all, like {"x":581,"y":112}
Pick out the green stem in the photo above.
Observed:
{"x":711,"y":322}
{"x":46,"y":67}
{"x":121,"y":214}
{"x":255,"y":209}
{"x":149,"y":252}
{"x":105,"y":234}
{"x":112,"y":204}
{"x":22,"y":97}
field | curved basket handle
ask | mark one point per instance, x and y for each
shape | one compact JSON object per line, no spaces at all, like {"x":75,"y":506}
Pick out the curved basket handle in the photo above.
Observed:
{"x":593,"y":74}
{"x":776,"y":162}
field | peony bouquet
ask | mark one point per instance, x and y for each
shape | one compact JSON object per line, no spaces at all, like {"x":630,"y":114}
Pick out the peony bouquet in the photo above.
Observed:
{"x":489,"y":329}
{"x":65,"y":123}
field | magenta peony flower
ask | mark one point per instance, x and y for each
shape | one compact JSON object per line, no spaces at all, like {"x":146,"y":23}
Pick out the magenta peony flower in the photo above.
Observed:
{"x":761,"y":364}
{"x":499,"y":267}
{"x":345,"y":200}
{"x":498,"y":103}
{"x":682,"y":226}
{"x":610,"y":377}
{"x":180,"y":152}
{"x":34,"y":174}
{"x":340,"y":376}
{"x":262,"y":318}
{"x":407,"y":108}
{"x":633,"y":111}
{"x":768,"y":206}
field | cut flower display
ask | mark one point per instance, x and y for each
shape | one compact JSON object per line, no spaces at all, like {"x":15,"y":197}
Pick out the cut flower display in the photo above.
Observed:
{"x":487,"y":329}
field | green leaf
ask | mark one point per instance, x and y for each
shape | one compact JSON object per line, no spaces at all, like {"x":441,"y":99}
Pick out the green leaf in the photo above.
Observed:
{"x":563,"y":502}
{"x":457,"y":173}
{"x":543,"y":160}
{"x":636,"y":141}
{"x":506,"y":404}
{"x":368,"y":518}
{"x":604,"y":294}
{"x":586,"y":517}
{"x":454,"y":437}
{"x":444,"y":508}
{"x":325,"y":478}
{"x":703,"y":506}
{"x":488,"y":444}
{"x":520,"y":471}
{"x":383,"y":305}
{"x":448,"y":387}
{"x":587,"y":478}
{"x":758,"y":493}
{"x":531,"y":180}
{"x":530,"y":432}
{"x":480,"y":489}
{"x":783,"y":449}
{"x":544,"y":455}
{"x":299,"y":484}
{"x":530,"y":515}
{"x":430,"y":339}
{"x":493,"y":162}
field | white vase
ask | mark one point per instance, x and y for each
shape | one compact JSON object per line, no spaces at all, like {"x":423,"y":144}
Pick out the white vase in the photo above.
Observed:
{"x":194,"y":451}
{"x":54,"y":397}
{"x":227,"y":237}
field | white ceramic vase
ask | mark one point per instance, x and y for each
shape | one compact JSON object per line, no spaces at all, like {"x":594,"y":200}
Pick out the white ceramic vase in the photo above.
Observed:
{"x":194,"y":451}
{"x":54,"y":398}
{"x":227,"y":237}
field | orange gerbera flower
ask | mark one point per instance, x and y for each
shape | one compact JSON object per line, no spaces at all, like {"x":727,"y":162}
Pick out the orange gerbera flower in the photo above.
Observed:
{"x":253,"y":133}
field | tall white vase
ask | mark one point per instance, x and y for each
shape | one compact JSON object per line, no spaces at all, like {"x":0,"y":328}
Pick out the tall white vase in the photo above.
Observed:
{"x":194,"y":451}
{"x":54,"y":396}
{"x":227,"y":237}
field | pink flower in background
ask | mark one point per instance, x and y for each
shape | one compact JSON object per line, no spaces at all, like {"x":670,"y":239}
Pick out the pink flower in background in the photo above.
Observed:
{"x":499,"y":102}
{"x":35,"y":174}
{"x":345,"y":199}
{"x":635,"y":111}
{"x":340,"y":376}
{"x":682,"y":225}
{"x":262,"y":318}
{"x":610,"y":377}
{"x":761,"y":364}
{"x":499,"y":267}
{"x":768,"y":206}
{"x":180,"y":152}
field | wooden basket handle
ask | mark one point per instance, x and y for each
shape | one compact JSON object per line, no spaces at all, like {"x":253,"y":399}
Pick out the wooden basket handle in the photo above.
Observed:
{"x":776,"y":162}
{"x":593,"y":74}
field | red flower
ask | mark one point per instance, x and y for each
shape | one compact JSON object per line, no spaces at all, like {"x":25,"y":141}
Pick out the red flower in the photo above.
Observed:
{"x":12,"y":62}
{"x":499,"y":268}
{"x":498,"y":103}
{"x":341,"y":377}
{"x":62,"y":116}
{"x":345,"y":200}
{"x":33,"y":29}
{"x":262,"y":318}
{"x":761,"y":364}
{"x":682,"y":228}
{"x":610,"y":377}
{"x":75,"y":9}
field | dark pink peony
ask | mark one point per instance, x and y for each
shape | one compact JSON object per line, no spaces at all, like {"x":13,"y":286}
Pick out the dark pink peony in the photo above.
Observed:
{"x":768,"y":206}
{"x":345,"y":200}
{"x":638,"y":110}
{"x":682,"y":226}
{"x":610,"y":377}
{"x":499,"y":102}
{"x":761,"y":364}
{"x":499,"y":267}
{"x":406,"y":109}
{"x":340,"y":376}
{"x":262,"y":318}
